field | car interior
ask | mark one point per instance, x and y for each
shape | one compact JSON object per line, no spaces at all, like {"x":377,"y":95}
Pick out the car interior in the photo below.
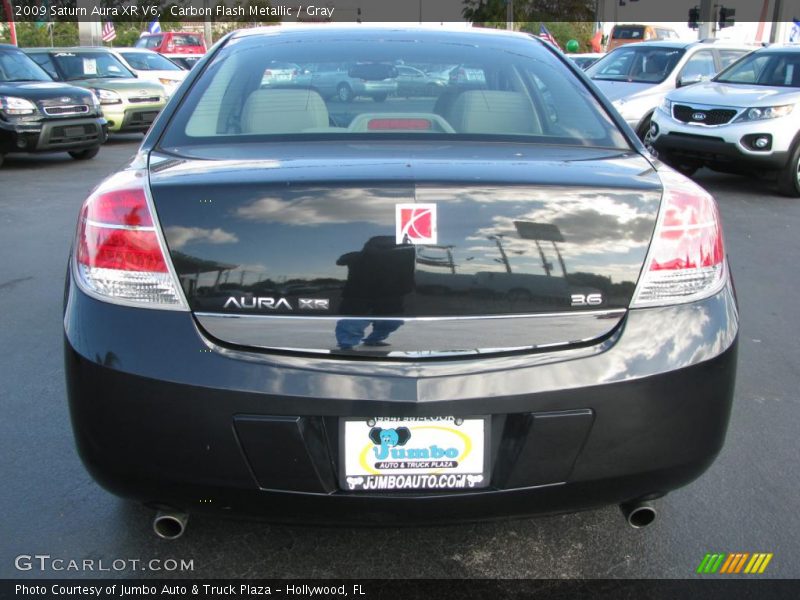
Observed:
{"x":493,"y":99}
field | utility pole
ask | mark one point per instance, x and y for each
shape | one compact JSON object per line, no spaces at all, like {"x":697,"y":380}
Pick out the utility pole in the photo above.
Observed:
{"x":510,"y":15}
{"x":776,"y":31}
{"x":708,"y":20}
{"x":208,"y":33}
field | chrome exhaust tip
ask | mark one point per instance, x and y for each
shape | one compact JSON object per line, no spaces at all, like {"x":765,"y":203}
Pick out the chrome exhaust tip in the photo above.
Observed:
{"x":170,"y":525}
{"x":638,"y":514}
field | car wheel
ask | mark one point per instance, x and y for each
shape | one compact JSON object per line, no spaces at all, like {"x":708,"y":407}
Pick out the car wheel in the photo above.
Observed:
{"x":644,"y":128}
{"x":344,"y":93}
{"x":789,"y":177}
{"x":380,"y":97}
{"x":85,"y":154}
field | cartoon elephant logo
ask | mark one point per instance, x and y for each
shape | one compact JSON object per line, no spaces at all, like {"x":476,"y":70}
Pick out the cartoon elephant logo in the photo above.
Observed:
{"x":385,"y":439}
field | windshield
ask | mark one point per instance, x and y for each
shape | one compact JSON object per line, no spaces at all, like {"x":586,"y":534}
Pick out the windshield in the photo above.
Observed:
{"x":259,"y":88}
{"x":778,"y":69}
{"x":89,"y":65}
{"x":149,"y":61}
{"x":16,"y":66}
{"x":638,"y":63}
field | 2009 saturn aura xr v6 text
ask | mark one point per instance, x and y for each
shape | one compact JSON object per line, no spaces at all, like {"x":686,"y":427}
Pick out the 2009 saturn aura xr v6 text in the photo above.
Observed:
{"x":480,"y":302}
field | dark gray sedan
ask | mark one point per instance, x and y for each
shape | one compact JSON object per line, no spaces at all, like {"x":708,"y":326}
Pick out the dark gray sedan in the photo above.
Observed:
{"x":487,"y":302}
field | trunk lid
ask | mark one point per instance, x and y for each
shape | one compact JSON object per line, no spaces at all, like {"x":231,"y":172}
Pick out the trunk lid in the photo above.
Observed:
{"x":521,"y":247}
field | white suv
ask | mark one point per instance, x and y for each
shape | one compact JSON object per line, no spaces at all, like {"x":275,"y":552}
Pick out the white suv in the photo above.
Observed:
{"x":746,"y":119}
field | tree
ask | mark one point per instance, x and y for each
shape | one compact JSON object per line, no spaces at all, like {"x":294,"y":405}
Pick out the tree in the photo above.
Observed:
{"x":494,"y":11}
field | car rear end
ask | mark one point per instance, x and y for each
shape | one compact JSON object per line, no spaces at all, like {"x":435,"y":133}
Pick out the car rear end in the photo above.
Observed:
{"x":176,"y":42}
{"x":424,"y":317}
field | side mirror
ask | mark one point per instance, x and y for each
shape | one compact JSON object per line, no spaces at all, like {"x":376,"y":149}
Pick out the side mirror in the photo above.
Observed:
{"x":685,"y":80}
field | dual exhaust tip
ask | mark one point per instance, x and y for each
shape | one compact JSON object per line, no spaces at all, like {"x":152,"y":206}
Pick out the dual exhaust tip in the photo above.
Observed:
{"x":638,"y":514}
{"x":172,"y":525}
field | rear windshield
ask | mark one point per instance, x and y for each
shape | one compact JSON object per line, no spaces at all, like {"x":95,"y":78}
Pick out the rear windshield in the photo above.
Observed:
{"x":183,"y":39}
{"x":149,"y":61}
{"x":627,"y":33}
{"x":88,"y":65}
{"x":778,"y":69}
{"x":16,"y":66}
{"x":261,"y":89}
{"x":638,"y":63}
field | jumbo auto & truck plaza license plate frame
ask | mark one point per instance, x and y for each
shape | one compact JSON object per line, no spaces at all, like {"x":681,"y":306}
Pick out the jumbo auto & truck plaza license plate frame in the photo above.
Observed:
{"x":413,"y":453}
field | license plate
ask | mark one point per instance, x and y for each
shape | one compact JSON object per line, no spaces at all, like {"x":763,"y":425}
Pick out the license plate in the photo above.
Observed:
{"x":419,"y":453}
{"x":73,"y":131}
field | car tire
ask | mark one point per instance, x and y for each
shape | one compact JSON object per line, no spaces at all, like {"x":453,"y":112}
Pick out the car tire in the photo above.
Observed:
{"x":344,"y":92}
{"x":380,"y":97}
{"x":84,"y":154}
{"x":644,"y":128}
{"x":789,"y":176}
{"x":2,"y":156}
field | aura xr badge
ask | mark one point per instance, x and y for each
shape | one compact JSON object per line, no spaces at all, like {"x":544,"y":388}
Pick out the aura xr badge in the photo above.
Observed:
{"x":314,"y":303}
{"x":415,"y":223}
{"x":253,"y":303}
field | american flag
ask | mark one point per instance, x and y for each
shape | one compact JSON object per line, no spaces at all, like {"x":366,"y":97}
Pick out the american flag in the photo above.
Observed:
{"x":109,"y":34}
{"x":545,"y":34}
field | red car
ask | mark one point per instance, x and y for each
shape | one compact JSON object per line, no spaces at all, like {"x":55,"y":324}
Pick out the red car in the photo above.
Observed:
{"x":173,"y":42}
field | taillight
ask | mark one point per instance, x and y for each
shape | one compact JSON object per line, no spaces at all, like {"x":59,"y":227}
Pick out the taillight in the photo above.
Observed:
{"x":117,"y":251}
{"x":686,"y":261}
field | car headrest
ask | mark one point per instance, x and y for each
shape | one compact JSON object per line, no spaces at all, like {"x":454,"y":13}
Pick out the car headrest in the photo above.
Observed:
{"x":490,"y":111}
{"x":275,"y":111}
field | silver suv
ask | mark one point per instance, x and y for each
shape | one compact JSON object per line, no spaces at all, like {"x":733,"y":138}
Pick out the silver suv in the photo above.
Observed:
{"x":746,"y":119}
{"x":637,"y":77}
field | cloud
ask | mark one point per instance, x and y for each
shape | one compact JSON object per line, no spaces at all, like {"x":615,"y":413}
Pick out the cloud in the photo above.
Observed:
{"x":179,"y":237}
{"x":327,"y":206}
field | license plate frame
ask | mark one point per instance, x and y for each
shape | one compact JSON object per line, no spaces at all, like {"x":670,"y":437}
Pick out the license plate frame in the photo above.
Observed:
{"x":74,"y":131}
{"x":465,"y":441}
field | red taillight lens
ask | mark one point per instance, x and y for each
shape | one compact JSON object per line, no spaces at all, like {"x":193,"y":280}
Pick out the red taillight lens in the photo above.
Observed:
{"x":687,"y":255}
{"x":118,"y":253}
{"x":120,"y":207}
{"x":120,"y":249}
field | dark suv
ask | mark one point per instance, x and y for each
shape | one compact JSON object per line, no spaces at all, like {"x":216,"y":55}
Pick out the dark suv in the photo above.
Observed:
{"x":40,"y":115}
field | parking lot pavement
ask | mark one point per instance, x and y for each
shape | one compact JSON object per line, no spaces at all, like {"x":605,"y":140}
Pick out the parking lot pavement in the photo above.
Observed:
{"x":746,"y":502}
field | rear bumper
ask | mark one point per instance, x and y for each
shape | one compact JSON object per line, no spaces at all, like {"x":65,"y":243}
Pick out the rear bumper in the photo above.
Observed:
{"x":53,"y":136}
{"x":164,"y":416}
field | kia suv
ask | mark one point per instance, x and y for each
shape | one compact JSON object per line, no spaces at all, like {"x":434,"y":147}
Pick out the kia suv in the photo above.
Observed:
{"x":40,"y":115}
{"x":746,"y":119}
{"x":637,"y":77}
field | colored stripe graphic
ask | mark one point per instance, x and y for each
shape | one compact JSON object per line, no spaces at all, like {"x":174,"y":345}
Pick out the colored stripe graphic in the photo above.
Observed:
{"x":734,"y":562}
{"x":758,"y":563}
